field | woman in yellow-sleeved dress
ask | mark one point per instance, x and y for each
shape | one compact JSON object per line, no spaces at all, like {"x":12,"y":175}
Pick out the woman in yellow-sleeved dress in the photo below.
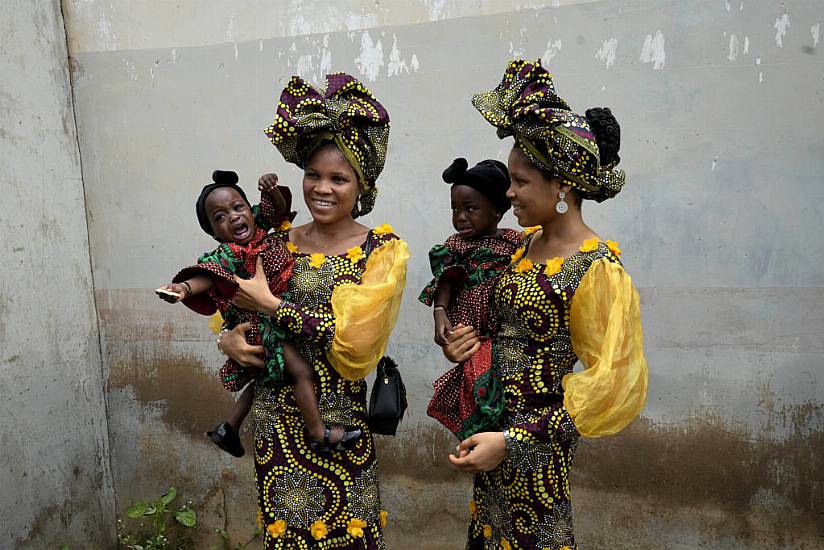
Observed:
{"x":543,"y":307}
{"x":552,"y":311}
{"x":341,"y":303}
{"x":307,"y":499}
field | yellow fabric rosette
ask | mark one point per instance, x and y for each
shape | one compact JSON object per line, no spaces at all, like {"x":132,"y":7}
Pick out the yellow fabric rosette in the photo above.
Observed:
{"x":365,"y":313}
{"x":607,"y":337}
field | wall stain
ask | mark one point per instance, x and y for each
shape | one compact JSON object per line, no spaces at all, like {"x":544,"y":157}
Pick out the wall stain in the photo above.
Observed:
{"x":707,"y":461}
{"x":756,"y":483}
{"x":194,"y":398}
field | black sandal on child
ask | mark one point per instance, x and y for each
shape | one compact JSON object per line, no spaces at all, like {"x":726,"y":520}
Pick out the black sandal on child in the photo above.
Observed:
{"x":225,"y":437}
{"x":350,"y":436}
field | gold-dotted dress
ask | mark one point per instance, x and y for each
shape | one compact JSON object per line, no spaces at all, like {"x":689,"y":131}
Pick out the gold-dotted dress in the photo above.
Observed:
{"x":308,"y":500}
{"x":551,"y":315}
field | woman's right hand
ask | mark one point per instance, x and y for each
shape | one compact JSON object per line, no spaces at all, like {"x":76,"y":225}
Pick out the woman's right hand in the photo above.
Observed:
{"x":233,"y":344}
{"x":461,"y":344}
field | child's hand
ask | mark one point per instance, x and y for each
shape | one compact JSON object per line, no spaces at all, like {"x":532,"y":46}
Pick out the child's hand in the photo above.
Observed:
{"x":268,"y":183}
{"x":172,"y":293}
{"x":442,"y":326}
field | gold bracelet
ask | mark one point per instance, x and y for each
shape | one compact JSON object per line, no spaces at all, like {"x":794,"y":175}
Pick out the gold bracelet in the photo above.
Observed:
{"x":436,"y":308}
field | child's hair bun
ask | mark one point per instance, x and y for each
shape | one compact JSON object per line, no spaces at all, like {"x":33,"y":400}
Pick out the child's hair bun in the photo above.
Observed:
{"x":455,"y":171}
{"x":225,"y":177}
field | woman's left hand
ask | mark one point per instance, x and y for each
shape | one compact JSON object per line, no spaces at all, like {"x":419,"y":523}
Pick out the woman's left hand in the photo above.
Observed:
{"x":481,"y":452}
{"x":254,"y":294}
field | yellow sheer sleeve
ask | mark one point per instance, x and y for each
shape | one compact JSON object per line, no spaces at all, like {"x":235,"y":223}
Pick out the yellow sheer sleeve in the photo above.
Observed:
{"x":365,"y":313}
{"x":607,"y":337}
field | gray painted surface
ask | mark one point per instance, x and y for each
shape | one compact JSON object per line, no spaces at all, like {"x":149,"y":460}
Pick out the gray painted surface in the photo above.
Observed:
{"x":54,"y":450}
{"x":721,"y":106}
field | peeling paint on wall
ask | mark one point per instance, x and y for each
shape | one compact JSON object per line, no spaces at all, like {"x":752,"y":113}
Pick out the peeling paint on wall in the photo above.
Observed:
{"x":317,"y":63}
{"x":781,"y":25}
{"x":606,"y":53}
{"x":553,"y":48}
{"x":653,"y":50}
{"x":397,"y":64}
{"x":733,"y":55}
{"x":370,"y":59}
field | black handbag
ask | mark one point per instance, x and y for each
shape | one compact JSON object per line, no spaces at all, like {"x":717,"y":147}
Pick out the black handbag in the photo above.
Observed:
{"x":388,"y":400}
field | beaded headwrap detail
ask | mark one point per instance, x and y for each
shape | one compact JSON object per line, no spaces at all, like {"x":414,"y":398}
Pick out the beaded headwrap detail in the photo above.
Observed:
{"x":558,"y":141}
{"x":346,"y":114}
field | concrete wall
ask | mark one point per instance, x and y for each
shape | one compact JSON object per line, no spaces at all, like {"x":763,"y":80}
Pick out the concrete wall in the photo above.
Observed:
{"x":721,"y":106}
{"x":54,"y":450}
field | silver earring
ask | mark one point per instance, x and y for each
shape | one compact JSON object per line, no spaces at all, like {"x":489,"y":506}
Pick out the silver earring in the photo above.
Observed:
{"x":561,"y":206}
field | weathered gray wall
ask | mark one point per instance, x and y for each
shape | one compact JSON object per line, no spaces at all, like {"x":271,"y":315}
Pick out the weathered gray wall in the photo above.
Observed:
{"x":721,"y":105}
{"x":54,"y":449}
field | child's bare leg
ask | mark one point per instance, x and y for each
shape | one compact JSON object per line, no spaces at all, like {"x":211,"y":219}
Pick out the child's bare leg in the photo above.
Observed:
{"x":301,"y":373}
{"x":242,"y":407}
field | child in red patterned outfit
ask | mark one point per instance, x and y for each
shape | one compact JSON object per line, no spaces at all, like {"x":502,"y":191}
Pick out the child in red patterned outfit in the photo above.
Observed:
{"x":468,"y":398}
{"x":224,"y":212}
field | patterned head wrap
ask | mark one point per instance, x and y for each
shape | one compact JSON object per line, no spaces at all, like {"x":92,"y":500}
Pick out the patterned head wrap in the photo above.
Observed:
{"x":525,"y":105}
{"x":346,"y":114}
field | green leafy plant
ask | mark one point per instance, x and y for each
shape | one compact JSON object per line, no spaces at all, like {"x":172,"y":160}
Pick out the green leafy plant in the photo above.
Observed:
{"x":152,"y":530}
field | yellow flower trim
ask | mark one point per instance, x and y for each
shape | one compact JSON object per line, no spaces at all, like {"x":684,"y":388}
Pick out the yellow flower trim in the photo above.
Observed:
{"x":524,"y":265}
{"x":473,"y":509}
{"x":590,"y":245}
{"x":355,"y":254}
{"x":259,"y":519}
{"x":318,"y":530}
{"x":487,"y":531}
{"x":277,"y":529}
{"x":216,"y":322}
{"x":613,"y":246}
{"x":355,"y":527}
{"x":505,"y":545}
{"x":285,"y":225}
{"x":384,"y":515}
{"x":553,"y":266}
{"x":383,"y":229}
{"x":530,"y":230}
{"x":518,"y":254}
{"x":317,"y":259}
{"x":291,"y":247}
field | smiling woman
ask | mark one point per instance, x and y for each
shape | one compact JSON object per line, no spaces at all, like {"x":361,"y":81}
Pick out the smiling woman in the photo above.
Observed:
{"x":565,"y":297}
{"x":341,"y":303}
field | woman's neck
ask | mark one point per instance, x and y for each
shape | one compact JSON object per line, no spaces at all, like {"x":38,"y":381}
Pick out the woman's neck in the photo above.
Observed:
{"x":561,"y":235}
{"x":331,"y":238}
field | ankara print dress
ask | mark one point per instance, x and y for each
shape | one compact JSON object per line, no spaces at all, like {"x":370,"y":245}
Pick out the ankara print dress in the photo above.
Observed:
{"x":308,"y":500}
{"x":524,"y":503}
{"x":467,"y":398}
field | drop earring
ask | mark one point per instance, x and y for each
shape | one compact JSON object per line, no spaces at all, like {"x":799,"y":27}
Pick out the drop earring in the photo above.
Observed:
{"x":561,"y":206}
